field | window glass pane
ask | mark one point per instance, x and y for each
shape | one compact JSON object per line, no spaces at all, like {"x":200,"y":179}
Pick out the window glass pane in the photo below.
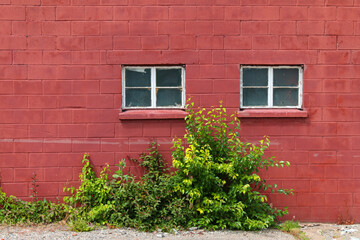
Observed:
{"x":168,"y":97}
{"x":168,"y":77}
{"x":138,"y":97}
{"x":255,"y":97}
{"x":255,"y":76}
{"x":286,"y":77}
{"x":137,"y":77}
{"x":285,"y":97}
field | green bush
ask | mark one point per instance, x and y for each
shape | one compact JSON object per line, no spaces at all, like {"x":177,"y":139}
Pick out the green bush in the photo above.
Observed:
{"x":14,"y":211}
{"x":92,"y":201}
{"x":215,"y":186}
{"x":147,"y":204}
{"x":219,"y":173}
{"x":150,"y":203}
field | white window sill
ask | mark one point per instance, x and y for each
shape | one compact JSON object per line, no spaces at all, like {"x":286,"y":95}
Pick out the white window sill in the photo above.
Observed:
{"x":272,"y":113}
{"x":152,"y":114}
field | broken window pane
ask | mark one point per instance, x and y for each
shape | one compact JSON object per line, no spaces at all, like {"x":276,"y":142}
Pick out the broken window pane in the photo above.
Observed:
{"x":140,"y":97}
{"x":255,"y":97}
{"x":286,"y":77}
{"x":168,"y":77}
{"x":255,"y":77}
{"x":285,"y":97}
{"x":168,"y":97}
{"x":137,"y":77}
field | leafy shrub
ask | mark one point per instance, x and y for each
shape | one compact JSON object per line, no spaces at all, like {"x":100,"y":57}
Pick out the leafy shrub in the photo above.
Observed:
{"x":150,"y":203}
{"x":216,"y":184}
{"x":14,"y":211}
{"x":147,"y":204}
{"x":92,"y":200}
{"x":219,"y":173}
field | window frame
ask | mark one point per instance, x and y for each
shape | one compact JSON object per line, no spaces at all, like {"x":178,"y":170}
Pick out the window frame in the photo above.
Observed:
{"x":270,"y":86}
{"x":153,"y":86}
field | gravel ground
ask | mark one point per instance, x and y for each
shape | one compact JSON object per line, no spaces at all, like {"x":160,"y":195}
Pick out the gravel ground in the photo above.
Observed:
{"x":60,"y":231}
{"x":314,"y":231}
{"x":317,"y":231}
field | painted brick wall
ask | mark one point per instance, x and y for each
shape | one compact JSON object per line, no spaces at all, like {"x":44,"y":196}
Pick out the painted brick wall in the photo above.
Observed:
{"x":60,"y":85}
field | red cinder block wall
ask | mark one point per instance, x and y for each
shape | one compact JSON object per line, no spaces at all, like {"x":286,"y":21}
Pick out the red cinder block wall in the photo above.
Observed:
{"x":60,"y":87}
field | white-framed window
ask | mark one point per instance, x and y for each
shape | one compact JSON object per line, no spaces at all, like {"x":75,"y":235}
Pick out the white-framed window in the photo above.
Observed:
{"x":271,"y":86}
{"x":153,"y":87}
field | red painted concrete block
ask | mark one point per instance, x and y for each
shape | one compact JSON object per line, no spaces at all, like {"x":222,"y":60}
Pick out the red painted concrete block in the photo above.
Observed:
{"x":310,"y":27}
{"x":114,"y":28}
{"x":40,"y":13}
{"x":324,"y":186}
{"x":13,"y":160}
{"x":5,"y":58}
{"x":282,"y":27}
{"x":70,"y":13}
{"x":12,"y":42}
{"x":294,"y":43}
{"x":140,"y":28}
{"x":265,"y":42}
{"x":56,"y":28}
{"x":338,"y":172}
{"x":322,"y":13}
{"x":12,"y":13}
{"x":346,"y":13}
{"x":237,"y":13}
{"x":210,"y":12}
{"x":70,"y":43}
{"x":154,"y":43}
{"x":16,"y":189}
{"x":43,"y":159}
{"x":10,"y":131}
{"x":25,"y":174}
{"x":309,"y":143}
{"x":171,"y":27}
{"x":199,"y":27}
{"x":182,"y":42}
{"x":85,"y":28}
{"x":323,"y":157}
{"x":254,"y":27}
{"x":310,"y":172}
{"x":56,"y":57}
{"x":155,"y":13}
{"x":32,"y":87}
{"x":338,"y":199}
{"x":26,"y":28}
{"x":98,"y":13}
{"x":156,"y":129}
{"x":322,"y":42}
{"x":311,"y":199}
{"x":294,"y":13}
{"x":43,"y":131}
{"x":10,"y":102}
{"x":72,"y":130}
{"x":268,"y":13}
{"x":339,"y":28}
{"x":58,"y":174}
{"x":237,"y":42}
{"x":101,"y":130}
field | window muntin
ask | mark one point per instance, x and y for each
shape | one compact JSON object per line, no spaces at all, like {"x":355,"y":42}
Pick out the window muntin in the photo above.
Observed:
{"x":271,"y":86}
{"x":153,"y":87}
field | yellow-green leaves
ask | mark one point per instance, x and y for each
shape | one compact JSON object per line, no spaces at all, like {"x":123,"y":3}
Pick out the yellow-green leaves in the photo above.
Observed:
{"x":217,"y":172}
